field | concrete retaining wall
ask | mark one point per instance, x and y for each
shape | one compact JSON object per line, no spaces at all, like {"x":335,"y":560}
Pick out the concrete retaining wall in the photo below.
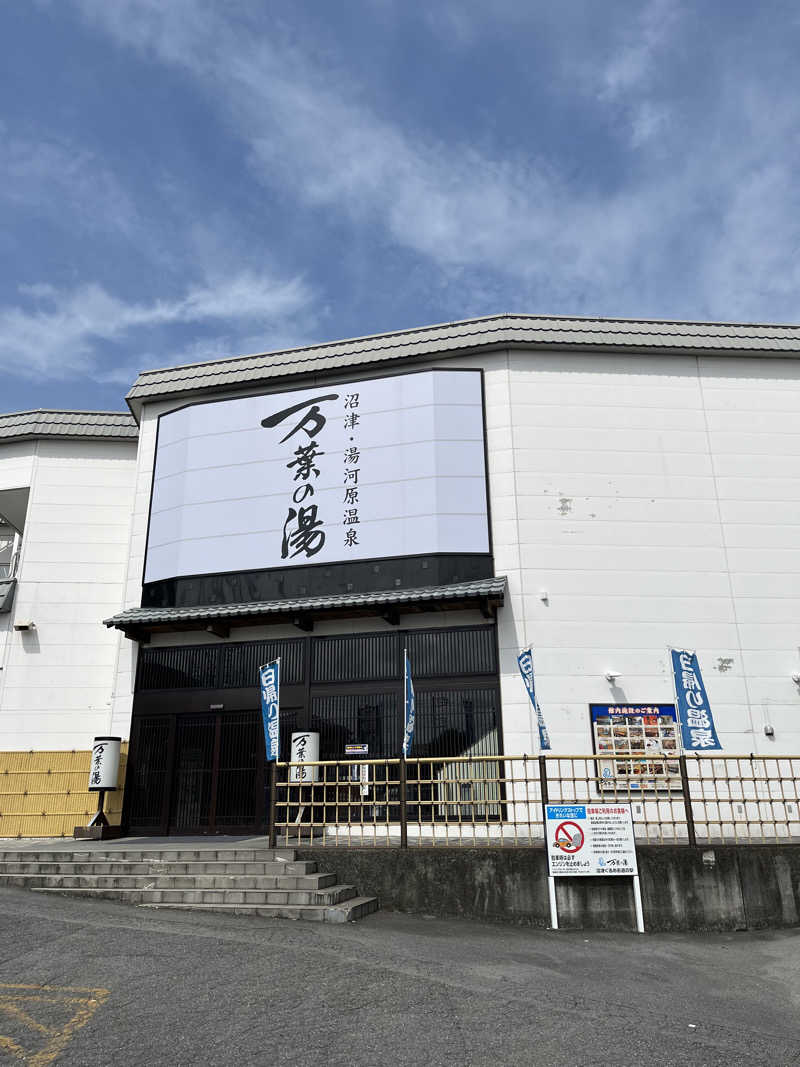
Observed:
{"x":725,"y":888}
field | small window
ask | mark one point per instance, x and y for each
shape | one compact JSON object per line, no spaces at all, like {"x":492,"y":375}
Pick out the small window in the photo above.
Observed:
{"x":9,"y":551}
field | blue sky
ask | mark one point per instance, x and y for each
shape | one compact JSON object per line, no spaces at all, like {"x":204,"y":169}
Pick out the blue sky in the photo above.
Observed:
{"x":183,"y":180}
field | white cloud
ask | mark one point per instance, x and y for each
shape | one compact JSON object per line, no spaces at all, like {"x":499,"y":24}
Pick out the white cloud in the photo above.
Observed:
{"x":56,"y":178}
{"x":64,"y":333}
{"x":631,"y":65}
{"x":661,"y":240}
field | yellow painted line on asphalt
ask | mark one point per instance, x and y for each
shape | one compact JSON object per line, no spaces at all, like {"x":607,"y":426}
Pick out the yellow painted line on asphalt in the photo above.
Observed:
{"x":7,"y":1008}
{"x":17,"y":1051}
{"x":83,"y":1002}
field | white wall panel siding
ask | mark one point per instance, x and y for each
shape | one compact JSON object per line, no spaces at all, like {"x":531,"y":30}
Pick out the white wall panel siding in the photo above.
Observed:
{"x":646,"y":545}
{"x":57,"y":680}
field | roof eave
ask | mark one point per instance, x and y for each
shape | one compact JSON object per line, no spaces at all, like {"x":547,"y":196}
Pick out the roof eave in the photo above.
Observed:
{"x":137,"y":401}
{"x":303,"y":617}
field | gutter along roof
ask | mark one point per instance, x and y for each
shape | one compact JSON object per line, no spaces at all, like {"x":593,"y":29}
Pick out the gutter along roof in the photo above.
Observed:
{"x":486,"y":593}
{"x":471,"y":335}
{"x":26,"y":425}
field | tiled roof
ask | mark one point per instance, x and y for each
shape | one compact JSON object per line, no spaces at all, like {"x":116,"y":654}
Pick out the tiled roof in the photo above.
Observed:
{"x":42,"y":423}
{"x":471,"y":335}
{"x":493,"y":588}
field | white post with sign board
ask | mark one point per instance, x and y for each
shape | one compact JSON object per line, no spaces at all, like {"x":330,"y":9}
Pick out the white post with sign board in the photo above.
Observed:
{"x":359,"y":772}
{"x":103,"y":774}
{"x":588,"y":840}
{"x":304,"y":749}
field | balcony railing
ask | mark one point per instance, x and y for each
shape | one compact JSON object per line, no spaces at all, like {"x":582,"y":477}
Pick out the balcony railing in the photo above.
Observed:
{"x":496,"y":801}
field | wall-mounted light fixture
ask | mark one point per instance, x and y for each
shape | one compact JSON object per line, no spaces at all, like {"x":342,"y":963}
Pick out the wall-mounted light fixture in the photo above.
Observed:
{"x":796,"y":678}
{"x":25,"y":625}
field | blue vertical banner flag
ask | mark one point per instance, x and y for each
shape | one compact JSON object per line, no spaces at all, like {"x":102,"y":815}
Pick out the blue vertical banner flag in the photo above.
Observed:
{"x":525,"y":661}
{"x":270,"y":684}
{"x":698,"y":732}
{"x":410,"y":713}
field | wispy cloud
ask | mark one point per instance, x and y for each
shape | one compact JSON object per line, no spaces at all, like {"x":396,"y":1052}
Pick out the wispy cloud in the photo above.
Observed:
{"x":631,"y":64}
{"x":57,"y":333}
{"x":54,"y":177}
{"x":309,"y":127}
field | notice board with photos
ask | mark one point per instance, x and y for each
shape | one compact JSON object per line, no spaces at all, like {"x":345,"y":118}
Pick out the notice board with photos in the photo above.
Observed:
{"x":636,"y":744}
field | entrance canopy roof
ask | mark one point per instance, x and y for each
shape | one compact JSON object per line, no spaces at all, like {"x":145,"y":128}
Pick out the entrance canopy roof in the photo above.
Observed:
{"x":487,"y":594}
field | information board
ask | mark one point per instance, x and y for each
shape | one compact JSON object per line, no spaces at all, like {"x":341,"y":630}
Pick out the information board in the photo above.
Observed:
{"x":590,"y":839}
{"x":638,"y":744}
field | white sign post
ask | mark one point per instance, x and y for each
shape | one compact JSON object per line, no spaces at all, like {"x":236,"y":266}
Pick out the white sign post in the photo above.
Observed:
{"x":104,"y":768}
{"x":103,"y":774}
{"x":305,"y":749}
{"x":588,"y":840}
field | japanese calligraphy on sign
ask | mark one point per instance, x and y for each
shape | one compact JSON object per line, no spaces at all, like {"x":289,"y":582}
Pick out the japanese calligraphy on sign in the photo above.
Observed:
{"x":303,"y":529}
{"x":269,"y":680}
{"x":352,"y":460}
{"x":104,"y":768}
{"x":697,"y":723}
{"x":385,"y":467}
{"x":305,"y":749}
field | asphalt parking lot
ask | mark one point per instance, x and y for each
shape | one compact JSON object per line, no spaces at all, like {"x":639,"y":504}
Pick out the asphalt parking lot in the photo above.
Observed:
{"x":99,"y":983}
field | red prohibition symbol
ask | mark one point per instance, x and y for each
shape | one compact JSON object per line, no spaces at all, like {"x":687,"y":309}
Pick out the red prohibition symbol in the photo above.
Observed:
{"x":569,"y":837}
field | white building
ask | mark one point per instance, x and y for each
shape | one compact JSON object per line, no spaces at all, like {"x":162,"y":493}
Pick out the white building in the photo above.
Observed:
{"x":643,"y":488}
{"x":66,"y":492}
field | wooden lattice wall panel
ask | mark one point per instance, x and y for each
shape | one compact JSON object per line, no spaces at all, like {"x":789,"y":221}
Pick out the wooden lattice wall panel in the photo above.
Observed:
{"x":44,"y":794}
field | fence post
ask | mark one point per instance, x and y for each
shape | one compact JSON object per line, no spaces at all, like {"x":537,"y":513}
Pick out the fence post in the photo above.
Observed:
{"x":687,"y":801}
{"x":403,"y":815}
{"x":545,"y":793}
{"x":273,"y":796}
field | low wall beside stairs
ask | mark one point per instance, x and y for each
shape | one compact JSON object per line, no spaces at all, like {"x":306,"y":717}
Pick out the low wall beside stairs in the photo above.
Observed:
{"x":46,"y":794}
{"x":683,"y":888}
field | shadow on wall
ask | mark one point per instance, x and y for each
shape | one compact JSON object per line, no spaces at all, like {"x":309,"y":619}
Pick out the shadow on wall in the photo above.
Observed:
{"x":30,"y":641}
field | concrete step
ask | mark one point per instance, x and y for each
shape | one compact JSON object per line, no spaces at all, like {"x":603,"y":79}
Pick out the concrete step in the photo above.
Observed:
{"x":347,"y":911}
{"x":247,"y":881}
{"x":334,"y":894}
{"x":138,"y":855}
{"x":159,"y":880}
{"x":48,"y":866}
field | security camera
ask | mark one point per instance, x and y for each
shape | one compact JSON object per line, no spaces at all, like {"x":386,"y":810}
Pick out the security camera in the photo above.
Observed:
{"x":611,"y":676}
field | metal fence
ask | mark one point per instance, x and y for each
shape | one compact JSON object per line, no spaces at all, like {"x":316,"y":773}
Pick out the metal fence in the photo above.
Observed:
{"x":499,"y":801}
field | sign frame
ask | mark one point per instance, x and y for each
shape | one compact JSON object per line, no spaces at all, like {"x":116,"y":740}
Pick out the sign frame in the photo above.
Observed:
{"x":613,"y":752}
{"x":356,"y":380}
{"x":599,"y":828}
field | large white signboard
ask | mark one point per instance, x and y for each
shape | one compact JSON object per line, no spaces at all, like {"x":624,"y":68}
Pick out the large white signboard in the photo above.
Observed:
{"x":387,"y":467}
{"x":590,"y":839}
